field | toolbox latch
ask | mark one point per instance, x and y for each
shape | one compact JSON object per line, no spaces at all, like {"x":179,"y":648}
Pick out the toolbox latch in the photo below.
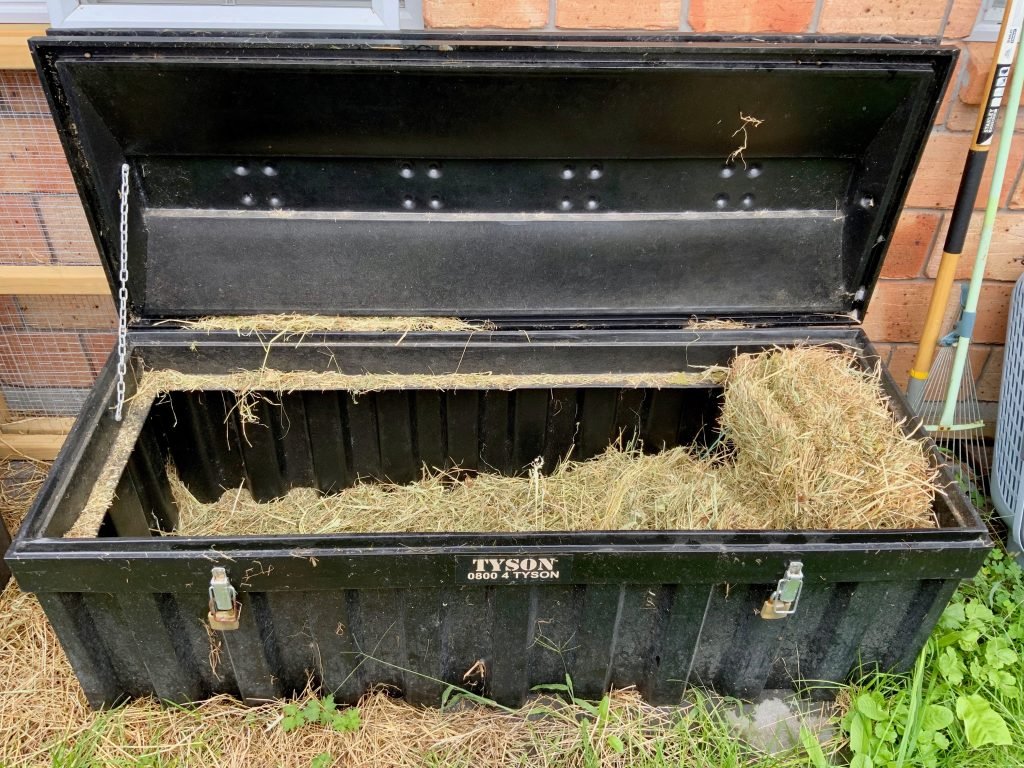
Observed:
{"x":224,"y":606}
{"x":783,"y":601}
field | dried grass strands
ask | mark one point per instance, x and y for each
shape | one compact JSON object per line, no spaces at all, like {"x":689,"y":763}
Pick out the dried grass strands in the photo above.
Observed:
{"x":294,"y":324}
{"x":243,"y":383}
{"x":20,"y":481}
{"x":815,"y":441}
{"x":811,"y":444}
{"x":619,"y":490}
{"x":102,"y":494}
{"x":716,"y":324}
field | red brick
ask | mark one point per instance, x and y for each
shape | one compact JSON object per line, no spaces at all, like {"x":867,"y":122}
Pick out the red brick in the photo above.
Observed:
{"x":964,"y":117}
{"x":67,"y":230}
{"x":31,"y":157}
{"x":978,"y":356}
{"x":887,"y":17}
{"x":507,"y":14}
{"x":993,"y":310}
{"x":750,"y":16}
{"x":961,"y":19}
{"x":911,"y":244}
{"x":618,"y":14}
{"x":938,"y":175}
{"x":22,"y":240}
{"x":43,"y":360}
{"x":900,"y":361}
{"x":991,"y":377}
{"x":67,"y":312}
{"x":1005,"y":256}
{"x":898,"y":308}
{"x":884,"y":352}
{"x":903,"y":358}
{"x":98,"y":347}
{"x":977,"y":62}
{"x":1017,"y":199}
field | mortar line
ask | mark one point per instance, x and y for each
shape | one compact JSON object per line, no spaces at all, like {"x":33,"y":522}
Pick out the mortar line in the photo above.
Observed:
{"x":933,"y":243}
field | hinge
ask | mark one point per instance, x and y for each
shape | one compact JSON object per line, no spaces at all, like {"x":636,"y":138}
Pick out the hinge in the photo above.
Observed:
{"x":225,"y":609}
{"x":783,"y":600}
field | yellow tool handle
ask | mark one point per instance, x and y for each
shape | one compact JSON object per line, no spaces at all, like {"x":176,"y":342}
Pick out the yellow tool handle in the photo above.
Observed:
{"x":936,"y":313}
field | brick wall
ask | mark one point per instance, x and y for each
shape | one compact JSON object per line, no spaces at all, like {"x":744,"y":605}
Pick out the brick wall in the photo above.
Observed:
{"x":50,"y":230}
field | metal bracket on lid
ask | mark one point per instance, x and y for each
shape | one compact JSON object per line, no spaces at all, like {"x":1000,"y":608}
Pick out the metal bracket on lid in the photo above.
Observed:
{"x":784,"y":599}
{"x":225,"y":610}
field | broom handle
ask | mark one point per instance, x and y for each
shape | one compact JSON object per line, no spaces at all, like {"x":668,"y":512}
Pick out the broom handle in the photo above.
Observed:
{"x":970,"y":181}
{"x":966,"y":327}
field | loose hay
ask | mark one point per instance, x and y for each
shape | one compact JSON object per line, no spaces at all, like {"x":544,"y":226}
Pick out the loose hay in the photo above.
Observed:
{"x":293,"y":324}
{"x":716,"y":324}
{"x":808,"y":443}
{"x":620,"y":490}
{"x":20,"y":481}
{"x":247,"y":383}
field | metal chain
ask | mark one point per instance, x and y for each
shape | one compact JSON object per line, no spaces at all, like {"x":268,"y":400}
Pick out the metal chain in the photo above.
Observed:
{"x":122,"y":298}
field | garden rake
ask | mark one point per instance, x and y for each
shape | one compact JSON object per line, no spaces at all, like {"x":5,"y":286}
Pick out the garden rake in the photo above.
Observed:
{"x":954,"y":418}
{"x":963,"y":208}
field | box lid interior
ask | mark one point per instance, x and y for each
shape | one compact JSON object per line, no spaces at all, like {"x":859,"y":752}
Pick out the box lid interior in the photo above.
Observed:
{"x":522,"y":180}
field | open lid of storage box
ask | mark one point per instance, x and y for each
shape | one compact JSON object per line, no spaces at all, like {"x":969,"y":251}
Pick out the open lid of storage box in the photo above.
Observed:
{"x":524,"y":179}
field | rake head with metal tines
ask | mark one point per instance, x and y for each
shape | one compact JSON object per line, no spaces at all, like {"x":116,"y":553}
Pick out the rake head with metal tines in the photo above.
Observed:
{"x":958,"y":432}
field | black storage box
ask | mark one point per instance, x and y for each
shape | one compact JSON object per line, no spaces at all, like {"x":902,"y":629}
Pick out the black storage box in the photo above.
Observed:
{"x":575,"y":193}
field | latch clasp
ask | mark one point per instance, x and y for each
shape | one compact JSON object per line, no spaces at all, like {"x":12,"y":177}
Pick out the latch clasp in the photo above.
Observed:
{"x":224,"y":606}
{"x":784,"y":599}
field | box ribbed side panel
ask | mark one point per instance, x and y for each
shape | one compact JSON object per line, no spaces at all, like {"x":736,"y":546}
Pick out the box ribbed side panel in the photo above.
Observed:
{"x":328,"y":439}
{"x":496,"y":641}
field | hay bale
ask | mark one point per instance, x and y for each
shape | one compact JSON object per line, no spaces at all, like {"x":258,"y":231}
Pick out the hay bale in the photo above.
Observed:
{"x":814,"y":441}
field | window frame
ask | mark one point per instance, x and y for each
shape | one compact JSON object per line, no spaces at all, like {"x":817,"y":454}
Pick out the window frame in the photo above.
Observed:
{"x":24,"y":12}
{"x":379,"y":15}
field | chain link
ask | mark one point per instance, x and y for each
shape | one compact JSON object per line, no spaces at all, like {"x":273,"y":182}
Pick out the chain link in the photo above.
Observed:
{"x":122,"y":298}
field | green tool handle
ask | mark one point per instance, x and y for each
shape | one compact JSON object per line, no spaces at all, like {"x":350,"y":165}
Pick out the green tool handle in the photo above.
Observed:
{"x":966,"y":328}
